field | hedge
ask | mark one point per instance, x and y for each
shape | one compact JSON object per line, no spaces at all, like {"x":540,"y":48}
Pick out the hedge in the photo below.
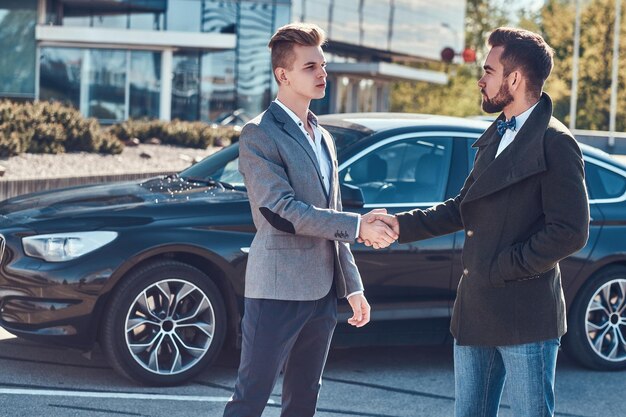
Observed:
{"x":45,"y":127}
{"x":178,"y":133}
{"x":51,"y":127}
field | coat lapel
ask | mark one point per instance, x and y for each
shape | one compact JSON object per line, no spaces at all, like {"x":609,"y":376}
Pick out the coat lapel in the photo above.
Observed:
{"x":521,"y":159}
{"x":290,"y":127}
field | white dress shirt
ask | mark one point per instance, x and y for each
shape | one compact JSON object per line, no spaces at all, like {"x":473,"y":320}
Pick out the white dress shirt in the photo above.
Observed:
{"x":509,"y":134}
{"x":323,"y":158}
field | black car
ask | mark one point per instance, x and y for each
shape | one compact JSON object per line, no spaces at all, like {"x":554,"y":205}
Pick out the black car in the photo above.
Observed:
{"x":154,"y":270}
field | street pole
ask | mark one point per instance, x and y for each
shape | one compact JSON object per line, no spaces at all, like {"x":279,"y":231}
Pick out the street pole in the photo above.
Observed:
{"x":573,"y":103}
{"x":616,"y":34}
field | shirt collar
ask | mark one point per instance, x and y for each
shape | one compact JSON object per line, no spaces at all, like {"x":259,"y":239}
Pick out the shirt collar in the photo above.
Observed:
{"x":310,"y":116}
{"x":521,"y":119}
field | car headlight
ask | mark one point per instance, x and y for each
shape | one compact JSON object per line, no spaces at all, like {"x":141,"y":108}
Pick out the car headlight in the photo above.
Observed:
{"x":60,"y":247}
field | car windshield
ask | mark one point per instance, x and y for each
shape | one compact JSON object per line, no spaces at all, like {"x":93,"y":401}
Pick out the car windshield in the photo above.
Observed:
{"x":223,"y":166}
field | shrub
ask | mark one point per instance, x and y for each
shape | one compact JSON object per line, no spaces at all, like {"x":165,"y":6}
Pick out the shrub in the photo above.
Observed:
{"x":110,"y":144}
{"x":177,"y":133}
{"x":47,"y":138}
{"x":51,"y":127}
{"x":11,"y":142}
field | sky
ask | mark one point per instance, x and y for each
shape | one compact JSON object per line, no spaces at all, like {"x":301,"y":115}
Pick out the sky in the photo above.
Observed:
{"x":516,"y":5}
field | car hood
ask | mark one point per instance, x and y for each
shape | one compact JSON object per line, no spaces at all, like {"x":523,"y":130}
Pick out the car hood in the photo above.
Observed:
{"x":115,"y":198}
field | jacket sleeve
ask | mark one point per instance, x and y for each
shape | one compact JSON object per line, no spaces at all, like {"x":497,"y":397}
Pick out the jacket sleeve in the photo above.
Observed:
{"x":270,"y":191}
{"x":566,"y":213}
{"x":438,"y":220}
{"x":347,"y":262}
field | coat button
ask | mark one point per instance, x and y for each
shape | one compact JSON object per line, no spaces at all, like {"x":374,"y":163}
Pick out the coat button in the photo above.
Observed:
{"x":466,"y":272}
{"x":470,"y":233}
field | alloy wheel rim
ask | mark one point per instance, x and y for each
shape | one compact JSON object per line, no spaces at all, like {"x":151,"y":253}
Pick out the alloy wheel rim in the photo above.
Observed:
{"x":169,"y":327}
{"x":605,"y":321}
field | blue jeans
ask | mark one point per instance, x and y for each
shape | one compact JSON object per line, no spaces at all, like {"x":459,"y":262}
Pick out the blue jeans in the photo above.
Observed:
{"x":480,"y":373}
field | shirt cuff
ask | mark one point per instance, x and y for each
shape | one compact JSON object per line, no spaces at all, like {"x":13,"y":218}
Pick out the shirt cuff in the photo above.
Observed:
{"x":358,"y":227}
{"x":354,"y":293}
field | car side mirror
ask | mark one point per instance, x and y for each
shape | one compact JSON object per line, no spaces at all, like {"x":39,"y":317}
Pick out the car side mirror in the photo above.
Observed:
{"x":352,"y":196}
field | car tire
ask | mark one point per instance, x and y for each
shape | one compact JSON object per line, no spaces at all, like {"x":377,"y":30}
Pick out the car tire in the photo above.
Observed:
{"x":597,"y":322}
{"x":164,"y":324}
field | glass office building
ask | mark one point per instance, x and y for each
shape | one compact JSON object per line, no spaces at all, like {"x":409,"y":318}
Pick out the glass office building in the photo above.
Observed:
{"x":205,"y":59}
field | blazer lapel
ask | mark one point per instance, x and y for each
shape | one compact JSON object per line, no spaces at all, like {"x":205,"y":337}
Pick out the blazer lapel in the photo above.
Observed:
{"x":295,"y":133}
{"x":521,"y":159}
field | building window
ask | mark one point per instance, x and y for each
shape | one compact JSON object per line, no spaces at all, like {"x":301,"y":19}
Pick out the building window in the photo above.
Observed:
{"x":186,"y":85}
{"x":108,"y":84}
{"x":145,"y":80}
{"x":121,"y":14}
{"x":253,"y":66}
{"x":184,"y":15}
{"x":105,"y":95}
{"x":17,"y":43}
{"x":217,"y":87}
{"x":60,"y":75}
{"x":219,"y":16}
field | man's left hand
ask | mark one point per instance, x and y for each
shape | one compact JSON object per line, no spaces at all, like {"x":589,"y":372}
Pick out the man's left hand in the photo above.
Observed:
{"x":360,"y":310}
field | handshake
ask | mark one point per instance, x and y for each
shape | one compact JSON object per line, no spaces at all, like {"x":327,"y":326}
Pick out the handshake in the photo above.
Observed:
{"x":378,"y":229}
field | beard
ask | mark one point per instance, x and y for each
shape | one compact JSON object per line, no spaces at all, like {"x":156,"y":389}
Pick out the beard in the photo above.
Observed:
{"x":499,"y":102}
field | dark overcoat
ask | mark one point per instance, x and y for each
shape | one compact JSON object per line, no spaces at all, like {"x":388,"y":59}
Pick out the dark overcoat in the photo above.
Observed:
{"x":522,"y":213}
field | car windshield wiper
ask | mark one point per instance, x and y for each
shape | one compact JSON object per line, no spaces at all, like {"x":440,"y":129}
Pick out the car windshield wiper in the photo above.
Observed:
{"x":210,"y":181}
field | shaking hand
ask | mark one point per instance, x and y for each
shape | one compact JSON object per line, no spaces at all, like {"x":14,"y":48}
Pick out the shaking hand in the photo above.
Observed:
{"x":376,"y":217}
{"x":375,"y":229}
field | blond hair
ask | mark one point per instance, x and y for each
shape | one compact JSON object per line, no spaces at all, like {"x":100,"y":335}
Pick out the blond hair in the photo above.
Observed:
{"x":282,"y":42}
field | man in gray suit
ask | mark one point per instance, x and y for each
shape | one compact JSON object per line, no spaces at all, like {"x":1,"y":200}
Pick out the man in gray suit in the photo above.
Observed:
{"x":300,"y":261}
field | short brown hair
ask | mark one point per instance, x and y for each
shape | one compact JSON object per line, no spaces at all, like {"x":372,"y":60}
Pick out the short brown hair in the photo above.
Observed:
{"x":526,"y":51}
{"x":281,"y":44}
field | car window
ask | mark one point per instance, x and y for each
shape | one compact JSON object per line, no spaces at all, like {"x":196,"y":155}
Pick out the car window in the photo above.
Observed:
{"x":603,"y":183}
{"x":413,"y":170}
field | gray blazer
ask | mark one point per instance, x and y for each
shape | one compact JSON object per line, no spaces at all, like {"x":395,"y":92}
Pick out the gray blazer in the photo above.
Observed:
{"x":301,"y":244}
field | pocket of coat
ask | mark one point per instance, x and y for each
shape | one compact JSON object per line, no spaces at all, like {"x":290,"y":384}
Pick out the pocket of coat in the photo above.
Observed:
{"x":288,"y":242}
{"x":495,"y":276}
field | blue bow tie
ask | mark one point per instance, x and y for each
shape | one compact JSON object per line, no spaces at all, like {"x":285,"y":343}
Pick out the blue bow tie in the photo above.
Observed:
{"x":502,"y":126}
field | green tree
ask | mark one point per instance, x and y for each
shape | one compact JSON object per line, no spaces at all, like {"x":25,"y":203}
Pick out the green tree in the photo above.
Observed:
{"x":595,"y":64}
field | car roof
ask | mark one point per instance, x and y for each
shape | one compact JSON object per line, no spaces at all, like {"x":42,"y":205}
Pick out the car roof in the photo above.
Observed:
{"x":369,"y":123}
{"x":376,"y":122}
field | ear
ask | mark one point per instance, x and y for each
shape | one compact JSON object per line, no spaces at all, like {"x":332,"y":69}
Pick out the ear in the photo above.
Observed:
{"x":281,"y":75}
{"x":514,"y":80}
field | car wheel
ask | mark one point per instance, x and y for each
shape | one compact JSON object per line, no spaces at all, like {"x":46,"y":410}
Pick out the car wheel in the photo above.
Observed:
{"x":164,"y":324}
{"x":597,"y":334}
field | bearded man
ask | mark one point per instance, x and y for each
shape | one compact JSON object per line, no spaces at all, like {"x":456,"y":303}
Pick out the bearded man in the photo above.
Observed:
{"x":523,"y":208}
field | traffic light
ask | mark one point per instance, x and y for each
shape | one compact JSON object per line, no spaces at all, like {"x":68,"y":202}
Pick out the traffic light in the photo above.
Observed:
{"x":448,"y":54}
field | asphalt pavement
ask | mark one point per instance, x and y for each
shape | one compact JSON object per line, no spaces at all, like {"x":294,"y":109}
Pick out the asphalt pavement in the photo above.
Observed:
{"x":39,"y":380}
